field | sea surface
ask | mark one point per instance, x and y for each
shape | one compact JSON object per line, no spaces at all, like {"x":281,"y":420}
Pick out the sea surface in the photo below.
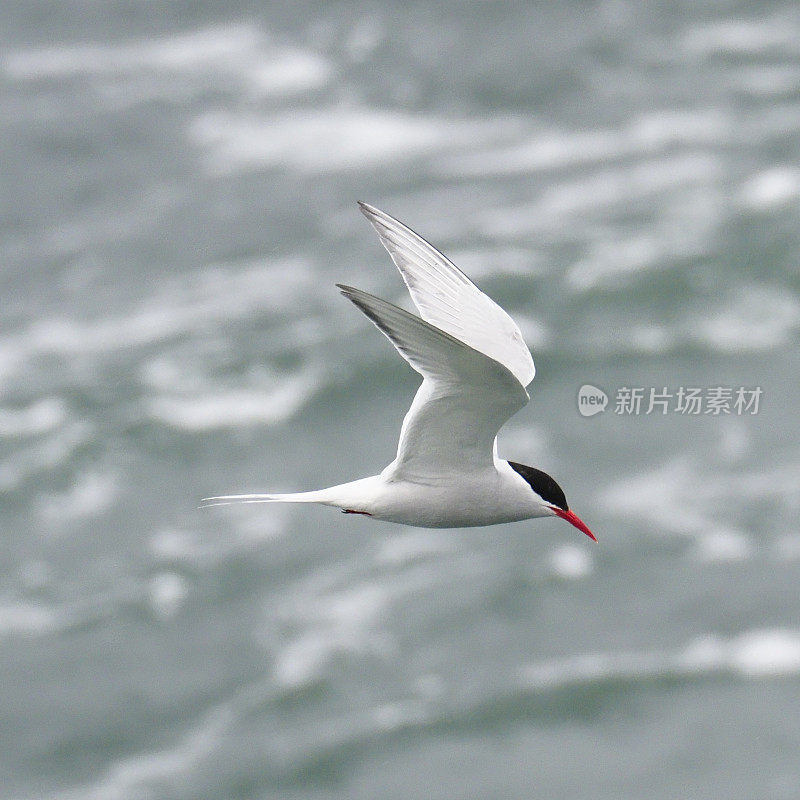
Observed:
{"x":178,"y":186}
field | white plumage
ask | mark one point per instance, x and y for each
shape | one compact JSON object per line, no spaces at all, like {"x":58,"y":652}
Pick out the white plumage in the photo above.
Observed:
{"x":475,"y":367}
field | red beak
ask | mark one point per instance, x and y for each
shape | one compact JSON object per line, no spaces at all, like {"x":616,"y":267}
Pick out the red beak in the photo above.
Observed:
{"x":575,"y":520}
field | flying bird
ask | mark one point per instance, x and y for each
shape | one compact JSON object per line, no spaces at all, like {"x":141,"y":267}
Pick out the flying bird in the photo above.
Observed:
{"x":475,"y":368}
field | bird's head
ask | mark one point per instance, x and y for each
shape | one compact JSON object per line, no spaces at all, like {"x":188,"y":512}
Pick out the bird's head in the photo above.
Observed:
{"x":552,"y":496}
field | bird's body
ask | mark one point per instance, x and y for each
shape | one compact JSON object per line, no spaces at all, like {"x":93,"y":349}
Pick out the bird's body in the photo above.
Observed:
{"x":464,"y":500}
{"x":475,"y":367}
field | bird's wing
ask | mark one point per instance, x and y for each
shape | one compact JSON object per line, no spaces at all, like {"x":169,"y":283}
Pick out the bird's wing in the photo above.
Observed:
{"x":463,"y":401}
{"x":448,"y":299}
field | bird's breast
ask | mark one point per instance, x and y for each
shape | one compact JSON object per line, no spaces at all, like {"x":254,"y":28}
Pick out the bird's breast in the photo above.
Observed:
{"x":459,"y":501}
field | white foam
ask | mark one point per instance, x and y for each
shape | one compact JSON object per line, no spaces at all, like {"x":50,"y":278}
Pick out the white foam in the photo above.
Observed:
{"x":336,"y":139}
{"x":755,"y":654}
{"x":215,"y":54}
{"x":768,"y":80}
{"x":289,"y":72}
{"x":234,"y":408}
{"x":778,"y":485}
{"x":301,"y":661}
{"x":185,"y":306}
{"x":21,"y":617}
{"x":136,"y":775}
{"x":167,"y":593}
{"x":756,"y":318}
{"x":39,"y":417}
{"x":766,"y":653}
{"x":89,"y":496}
{"x":664,"y":128}
{"x":343,"y":621}
{"x":748,"y":318}
{"x":46,"y":454}
{"x":207,"y":548}
{"x":413,"y":546}
{"x":629,"y":184}
{"x":565,"y":149}
{"x":705,"y":502}
{"x":570,"y":562}
{"x":174,"y":545}
{"x":611,"y":260}
{"x":187,"y":51}
{"x":722,"y":544}
{"x":771,"y":189}
{"x":539,"y":151}
{"x":27,"y":619}
{"x":659,"y":497}
{"x":341,"y":610}
{"x":589,"y":668}
{"x":685,"y":228}
{"x":398,"y":715}
{"x":604,"y":190}
{"x":742,"y":36}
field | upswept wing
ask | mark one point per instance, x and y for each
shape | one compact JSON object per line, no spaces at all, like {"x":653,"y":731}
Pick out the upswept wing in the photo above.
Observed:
{"x":448,"y":299}
{"x":463,"y":401}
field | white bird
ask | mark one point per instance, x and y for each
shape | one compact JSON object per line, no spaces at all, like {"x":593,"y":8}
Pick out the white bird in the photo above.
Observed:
{"x":475,"y":367}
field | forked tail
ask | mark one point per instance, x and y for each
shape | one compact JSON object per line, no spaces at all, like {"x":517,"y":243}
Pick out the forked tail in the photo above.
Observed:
{"x":321,"y":496}
{"x":355,"y":496}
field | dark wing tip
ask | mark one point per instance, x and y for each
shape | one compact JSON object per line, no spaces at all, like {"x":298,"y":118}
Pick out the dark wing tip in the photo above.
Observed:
{"x":355,"y":296}
{"x":374,"y":215}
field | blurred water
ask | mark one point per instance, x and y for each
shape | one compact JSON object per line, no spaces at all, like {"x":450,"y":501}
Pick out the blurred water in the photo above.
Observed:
{"x":178,"y":200}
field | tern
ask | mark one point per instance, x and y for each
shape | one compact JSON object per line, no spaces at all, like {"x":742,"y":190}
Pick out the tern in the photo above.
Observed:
{"x":475,"y":368}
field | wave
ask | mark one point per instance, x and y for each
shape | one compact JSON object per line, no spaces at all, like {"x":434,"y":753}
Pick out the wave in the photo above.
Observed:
{"x":332,"y":140}
{"x":777,"y":33}
{"x":555,"y":149}
{"x":343,"y":620}
{"x":341,"y":610}
{"x":685,"y":497}
{"x":126,"y":778}
{"x":185,"y":306}
{"x":761,"y":654}
{"x":48,"y":453}
{"x":186,"y":51}
{"x":625,"y":185}
{"x":748,"y":319}
{"x":21,"y":618}
{"x":767,"y":80}
{"x":89,"y":495}
{"x":41,"y":416}
{"x":213,"y":55}
{"x":215,"y":408}
{"x":570,"y":562}
{"x":24,"y":617}
{"x":770,"y":189}
{"x":756,"y":654}
{"x":756,"y":318}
